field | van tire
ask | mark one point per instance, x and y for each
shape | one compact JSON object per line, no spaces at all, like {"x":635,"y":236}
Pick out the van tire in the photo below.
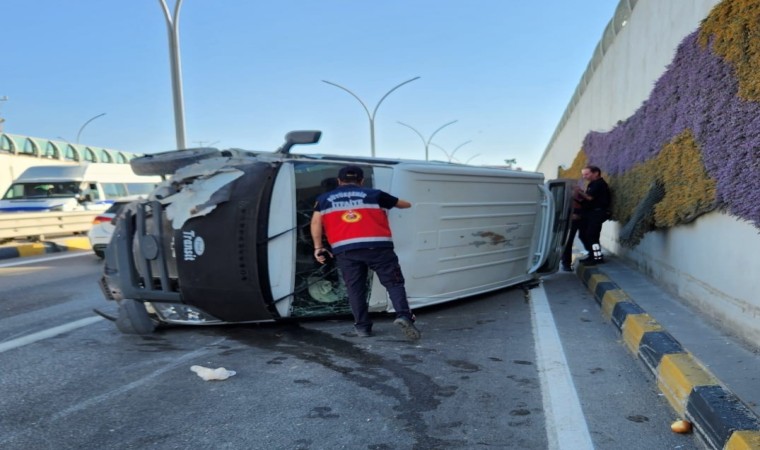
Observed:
{"x":168,"y":162}
{"x":133,"y":318}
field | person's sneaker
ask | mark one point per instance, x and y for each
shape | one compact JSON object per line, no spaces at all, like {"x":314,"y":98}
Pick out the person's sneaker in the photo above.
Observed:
{"x":361,"y":332}
{"x":566,"y":268}
{"x":588,"y":261}
{"x":407,"y":327}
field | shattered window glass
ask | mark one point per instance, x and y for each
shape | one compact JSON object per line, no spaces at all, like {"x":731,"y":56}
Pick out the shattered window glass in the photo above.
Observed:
{"x":319,"y":288}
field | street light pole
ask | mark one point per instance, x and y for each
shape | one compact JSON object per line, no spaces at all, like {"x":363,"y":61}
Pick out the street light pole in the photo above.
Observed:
{"x":371,"y":116}
{"x":4,"y":98}
{"x":172,"y":25}
{"x":451,"y":155}
{"x":85,"y":124}
{"x":427,"y":143}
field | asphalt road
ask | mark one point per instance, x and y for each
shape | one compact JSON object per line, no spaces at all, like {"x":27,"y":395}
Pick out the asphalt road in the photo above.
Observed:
{"x":477,"y":379}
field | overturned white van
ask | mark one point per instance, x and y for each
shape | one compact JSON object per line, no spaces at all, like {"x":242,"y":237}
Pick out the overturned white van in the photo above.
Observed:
{"x":226,"y":239}
{"x":74,"y":187}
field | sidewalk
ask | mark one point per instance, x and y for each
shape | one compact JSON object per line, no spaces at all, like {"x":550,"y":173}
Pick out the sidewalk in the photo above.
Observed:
{"x":20,"y":248}
{"x":709,"y":377}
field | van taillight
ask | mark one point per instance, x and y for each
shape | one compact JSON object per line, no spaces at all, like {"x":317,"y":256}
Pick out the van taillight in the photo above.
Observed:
{"x":100,"y":219}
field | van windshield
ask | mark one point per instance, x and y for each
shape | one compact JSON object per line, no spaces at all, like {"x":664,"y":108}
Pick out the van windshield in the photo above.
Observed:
{"x":42,"y":190}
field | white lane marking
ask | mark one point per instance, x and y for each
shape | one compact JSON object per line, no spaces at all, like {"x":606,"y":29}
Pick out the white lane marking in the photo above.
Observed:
{"x":8,"y":438}
{"x":566,"y":426}
{"x":50,"y":332}
{"x":175,"y":362}
{"x":43,"y":259}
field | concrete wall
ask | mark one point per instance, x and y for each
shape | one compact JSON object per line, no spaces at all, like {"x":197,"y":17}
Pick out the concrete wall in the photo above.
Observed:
{"x":712,"y":263}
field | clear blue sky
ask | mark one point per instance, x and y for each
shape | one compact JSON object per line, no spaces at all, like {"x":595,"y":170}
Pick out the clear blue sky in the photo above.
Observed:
{"x":252,"y":71}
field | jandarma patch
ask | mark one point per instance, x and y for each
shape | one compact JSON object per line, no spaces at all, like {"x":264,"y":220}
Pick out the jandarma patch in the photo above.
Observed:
{"x":351,"y":216}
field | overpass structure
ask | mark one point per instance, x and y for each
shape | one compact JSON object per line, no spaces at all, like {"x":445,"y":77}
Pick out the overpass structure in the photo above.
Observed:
{"x":668,"y":108}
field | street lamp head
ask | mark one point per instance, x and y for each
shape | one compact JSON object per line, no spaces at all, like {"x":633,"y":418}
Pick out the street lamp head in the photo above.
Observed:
{"x":371,"y":115}
{"x":430,"y":139}
{"x":85,"y":124}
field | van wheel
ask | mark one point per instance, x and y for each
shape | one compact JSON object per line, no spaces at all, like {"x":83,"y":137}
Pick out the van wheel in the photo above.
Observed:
{"x":133,"y":318}
{"x":168,"y":162}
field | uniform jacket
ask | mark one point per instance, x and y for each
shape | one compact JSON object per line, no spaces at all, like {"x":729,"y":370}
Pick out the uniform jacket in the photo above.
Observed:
{"x":355,"y":217}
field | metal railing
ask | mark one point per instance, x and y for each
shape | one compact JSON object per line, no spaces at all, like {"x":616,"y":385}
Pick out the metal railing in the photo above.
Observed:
{"x":39,"y":225}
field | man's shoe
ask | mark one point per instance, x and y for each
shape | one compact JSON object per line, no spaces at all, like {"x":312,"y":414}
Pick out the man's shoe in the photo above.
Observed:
{"x":407,"y":327}
{"x":588,"y":261}
{"x":361,"y":332}
{"x":566,"y":268}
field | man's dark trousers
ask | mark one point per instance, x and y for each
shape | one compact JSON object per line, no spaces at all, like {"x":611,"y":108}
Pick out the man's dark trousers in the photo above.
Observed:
{"x":354,"y":264}
{"x":591,"y":228}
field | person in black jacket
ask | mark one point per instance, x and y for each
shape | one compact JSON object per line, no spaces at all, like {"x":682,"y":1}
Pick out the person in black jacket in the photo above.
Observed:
{"x":595,"y":210}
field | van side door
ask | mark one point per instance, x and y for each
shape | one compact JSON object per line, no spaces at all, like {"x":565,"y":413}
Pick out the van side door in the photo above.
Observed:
{"x":556,"y":225}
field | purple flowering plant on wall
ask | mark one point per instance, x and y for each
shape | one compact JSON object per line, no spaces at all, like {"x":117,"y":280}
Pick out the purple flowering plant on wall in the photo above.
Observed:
{"x":698,"y":95}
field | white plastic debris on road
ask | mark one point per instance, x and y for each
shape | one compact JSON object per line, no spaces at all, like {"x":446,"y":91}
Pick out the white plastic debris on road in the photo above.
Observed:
{"x":209,"y":374}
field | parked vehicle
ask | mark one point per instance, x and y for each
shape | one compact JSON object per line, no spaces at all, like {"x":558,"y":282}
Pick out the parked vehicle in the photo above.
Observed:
{"x":89,"y":186}
{"x":103,"y":226}
{"x":226,"y":238}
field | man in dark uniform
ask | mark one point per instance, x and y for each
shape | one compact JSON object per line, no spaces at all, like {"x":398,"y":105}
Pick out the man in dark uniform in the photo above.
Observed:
{"x":355,"y":221}
{"x":595,"y":210}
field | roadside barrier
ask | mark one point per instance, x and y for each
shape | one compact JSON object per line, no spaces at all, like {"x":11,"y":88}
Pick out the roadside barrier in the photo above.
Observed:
{"x":719,"y":417}
{"x":40,"y":248}
{"x":40,"y":225}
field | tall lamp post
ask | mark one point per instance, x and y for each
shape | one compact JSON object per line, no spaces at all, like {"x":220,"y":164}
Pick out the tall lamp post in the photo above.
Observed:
{"x":427,"y":143}
{"x":172,"y":25}
{"x":372,"y":115}
{"x":4,"y":98}
{"x":79,"y":134}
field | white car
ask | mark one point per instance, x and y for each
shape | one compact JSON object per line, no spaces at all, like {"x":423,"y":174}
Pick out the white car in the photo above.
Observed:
{"x":103,"y":226}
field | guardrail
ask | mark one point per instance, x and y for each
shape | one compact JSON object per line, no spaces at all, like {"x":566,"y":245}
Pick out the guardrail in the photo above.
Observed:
{"x":39,"y":225}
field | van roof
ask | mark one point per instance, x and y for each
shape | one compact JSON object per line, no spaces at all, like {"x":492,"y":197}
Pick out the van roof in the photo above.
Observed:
{"x":81,"y":172}
{"x":53,"y":173}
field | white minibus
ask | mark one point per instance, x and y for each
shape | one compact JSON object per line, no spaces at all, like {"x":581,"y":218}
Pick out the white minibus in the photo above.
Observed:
{"x":89,"y":186}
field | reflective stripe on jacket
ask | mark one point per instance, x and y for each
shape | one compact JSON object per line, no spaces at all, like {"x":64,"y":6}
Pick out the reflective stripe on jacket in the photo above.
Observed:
{"x":353,"y":219}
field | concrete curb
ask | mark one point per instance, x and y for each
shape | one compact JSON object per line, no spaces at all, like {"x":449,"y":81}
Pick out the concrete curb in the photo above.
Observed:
{"x":40,"y":248}
{"x":720,"y":419}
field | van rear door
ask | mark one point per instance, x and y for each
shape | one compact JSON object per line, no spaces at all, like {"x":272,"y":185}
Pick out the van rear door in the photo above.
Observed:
{"x":555,"y":226}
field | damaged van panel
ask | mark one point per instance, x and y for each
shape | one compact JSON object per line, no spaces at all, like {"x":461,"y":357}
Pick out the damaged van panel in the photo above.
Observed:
{"x":226,"y":238}
{"x":196,"y":189}
{"x":200,"y":197}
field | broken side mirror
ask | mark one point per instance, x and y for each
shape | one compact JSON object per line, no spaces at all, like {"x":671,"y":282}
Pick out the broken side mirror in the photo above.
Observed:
{"x":299,"y":137}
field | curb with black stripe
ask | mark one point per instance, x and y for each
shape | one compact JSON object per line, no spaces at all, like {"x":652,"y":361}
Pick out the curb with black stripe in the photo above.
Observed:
{"x":719,"y":417}
{"x":41,"y":248}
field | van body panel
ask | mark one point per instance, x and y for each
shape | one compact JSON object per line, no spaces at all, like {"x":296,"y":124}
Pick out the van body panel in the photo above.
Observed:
{"x":470,"y":230}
